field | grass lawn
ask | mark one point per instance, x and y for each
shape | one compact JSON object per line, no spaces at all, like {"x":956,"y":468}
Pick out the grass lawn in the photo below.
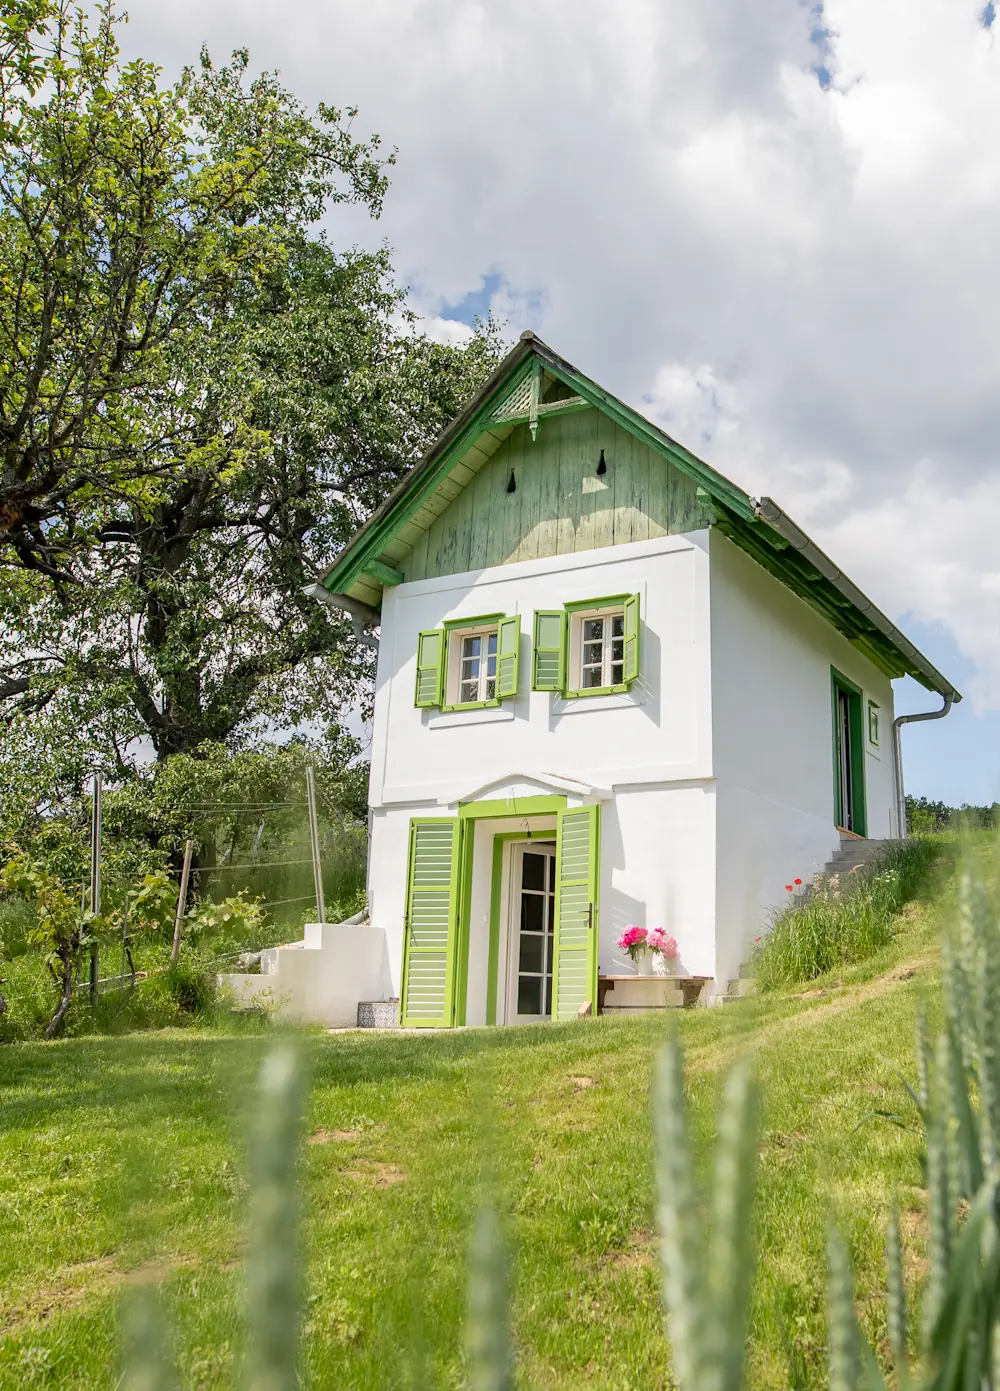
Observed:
{"x":121,"y":1159}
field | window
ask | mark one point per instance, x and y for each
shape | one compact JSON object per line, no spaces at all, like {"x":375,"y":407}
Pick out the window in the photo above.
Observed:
{"x":477,"y":666}
{"x":587,"y":648}
{"x":602,"y":650}
{"x":873,"y":723}
{"x":472,"y":661}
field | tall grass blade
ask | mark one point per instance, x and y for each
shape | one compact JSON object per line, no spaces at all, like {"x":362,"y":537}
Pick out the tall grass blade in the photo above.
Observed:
{"x":845,"y":1340}
{"x":147,"y":1367}
{"x":487,"y":1327}
{"x":731,"y":1250}
{"x":681,"y":1257}
{"x":938,"y":1220}
{"x":273,"y":1258}
{"x":896,"y":1319}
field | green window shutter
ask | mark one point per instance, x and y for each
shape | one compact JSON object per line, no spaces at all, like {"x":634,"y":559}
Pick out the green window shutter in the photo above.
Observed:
{"x":575,"y":967}
{"x":631,"y":668}
{"x":430,"y":668}
{"x":431,"y":927}
{"x":548,"y":652}
{"x":508,"y":641}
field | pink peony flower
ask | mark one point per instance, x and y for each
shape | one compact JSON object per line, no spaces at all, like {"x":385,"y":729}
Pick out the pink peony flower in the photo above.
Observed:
{"x":632,"y":938}
{"x":662,"y":942}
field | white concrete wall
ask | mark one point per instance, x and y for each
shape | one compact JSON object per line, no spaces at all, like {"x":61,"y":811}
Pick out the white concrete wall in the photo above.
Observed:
{"x":773,"y":743}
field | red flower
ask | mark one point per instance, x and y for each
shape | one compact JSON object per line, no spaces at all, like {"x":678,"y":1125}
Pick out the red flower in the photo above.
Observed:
{"x":798,"y":881}
{"x":789,"y":887}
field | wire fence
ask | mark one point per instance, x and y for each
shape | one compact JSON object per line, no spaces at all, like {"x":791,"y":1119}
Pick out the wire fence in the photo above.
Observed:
{"x":275,"y":889}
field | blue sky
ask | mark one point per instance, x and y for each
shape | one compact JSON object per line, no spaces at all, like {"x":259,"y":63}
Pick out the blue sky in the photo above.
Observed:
{"x":956,"y":759}
{"x":772,"y":228}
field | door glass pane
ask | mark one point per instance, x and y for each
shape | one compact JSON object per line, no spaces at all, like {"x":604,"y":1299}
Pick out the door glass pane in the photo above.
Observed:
{"x":532,"y":912}
{"x":533,"y":871}
{"x":529,"y":994}
{"x":532,"y":952}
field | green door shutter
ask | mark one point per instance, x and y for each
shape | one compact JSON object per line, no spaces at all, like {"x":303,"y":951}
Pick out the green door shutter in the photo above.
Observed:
{"x":575,"y":968}
{"x":430,"y":930}
{"x":430,"y":668}
{"x":631,"y":667}
{"x":508,"y":641}
{"x":548,"y":652}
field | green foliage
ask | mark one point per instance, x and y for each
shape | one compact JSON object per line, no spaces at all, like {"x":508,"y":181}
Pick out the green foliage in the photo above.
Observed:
{"x":926,"y":817}
{"x":843,"y":919}
{"x":236,"y":916}
{"x":199,"y":398}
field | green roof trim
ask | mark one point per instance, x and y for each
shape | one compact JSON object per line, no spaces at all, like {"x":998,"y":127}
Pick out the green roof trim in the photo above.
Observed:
{"x":761,"y":529}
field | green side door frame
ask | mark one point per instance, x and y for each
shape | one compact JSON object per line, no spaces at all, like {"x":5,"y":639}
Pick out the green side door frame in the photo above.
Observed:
{"x":850,"y":758}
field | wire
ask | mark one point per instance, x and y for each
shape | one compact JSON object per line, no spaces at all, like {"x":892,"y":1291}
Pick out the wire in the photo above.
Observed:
{"x":264,"y":864}
{"x":275,"y":901}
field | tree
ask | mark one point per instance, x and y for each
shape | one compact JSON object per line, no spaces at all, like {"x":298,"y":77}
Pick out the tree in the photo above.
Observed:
{"x":200,"y":398}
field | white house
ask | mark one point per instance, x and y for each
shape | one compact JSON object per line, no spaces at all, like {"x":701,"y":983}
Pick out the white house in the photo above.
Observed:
{"x":612,"y":688}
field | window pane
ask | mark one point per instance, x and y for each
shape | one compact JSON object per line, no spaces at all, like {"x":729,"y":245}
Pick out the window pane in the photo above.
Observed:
{"x":491,"y":691}
{"x":591,"y":677}
{"x":617,"y":674}
{"x":469,"y":690}
{"x":531,"y":952}
{"x":471,"y":647}
{"x":618,"y":626}
{"x":529,"y":994}
{"x":470,"y":668}
{"x":548,"y":994}
{"x":593,"y":630}
{"x":533,"y":871}
{"x":532,"y":913}
{"x":491,"y":643}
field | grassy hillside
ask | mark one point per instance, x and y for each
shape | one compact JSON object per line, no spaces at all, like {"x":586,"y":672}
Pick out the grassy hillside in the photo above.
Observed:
{"x":121,"y":1160}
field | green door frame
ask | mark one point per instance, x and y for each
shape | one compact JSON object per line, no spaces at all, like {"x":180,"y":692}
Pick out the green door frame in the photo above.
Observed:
{"x":856,"y":753}
{"x":519,"y":807}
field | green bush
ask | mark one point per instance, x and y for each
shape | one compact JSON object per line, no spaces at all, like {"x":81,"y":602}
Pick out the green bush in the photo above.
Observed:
{"x":843,"y":919}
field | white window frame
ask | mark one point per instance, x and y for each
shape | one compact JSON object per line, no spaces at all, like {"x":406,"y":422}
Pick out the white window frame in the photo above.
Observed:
{"x":453,"y":671}
{"x":577,"y":620}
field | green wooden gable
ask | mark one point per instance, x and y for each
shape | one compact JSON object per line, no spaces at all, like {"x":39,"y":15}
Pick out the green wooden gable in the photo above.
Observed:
{"x":544,"y":462}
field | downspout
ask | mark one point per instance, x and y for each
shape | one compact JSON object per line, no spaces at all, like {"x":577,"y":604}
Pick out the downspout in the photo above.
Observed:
{"x":360,"y":614}
{"x":948,"y":700}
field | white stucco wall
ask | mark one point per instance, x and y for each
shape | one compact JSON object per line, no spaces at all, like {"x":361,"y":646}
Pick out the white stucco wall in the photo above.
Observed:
{"x":649,"y":753}
{"x":773,"y":743}
{"x":660,"y":730}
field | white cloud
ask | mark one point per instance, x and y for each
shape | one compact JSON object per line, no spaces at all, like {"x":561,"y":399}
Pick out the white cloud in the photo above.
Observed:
{"x":798,"y":282}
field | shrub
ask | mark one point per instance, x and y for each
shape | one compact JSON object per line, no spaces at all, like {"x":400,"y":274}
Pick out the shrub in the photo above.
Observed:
{"x":843,"y":919}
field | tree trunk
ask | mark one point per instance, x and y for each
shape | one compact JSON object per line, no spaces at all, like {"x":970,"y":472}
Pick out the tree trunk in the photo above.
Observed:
{"x":55,"y":1023}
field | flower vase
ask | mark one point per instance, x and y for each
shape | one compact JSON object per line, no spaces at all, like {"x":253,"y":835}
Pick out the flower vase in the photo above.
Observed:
{"x":662,"y":965}
{"x":645,"y":962}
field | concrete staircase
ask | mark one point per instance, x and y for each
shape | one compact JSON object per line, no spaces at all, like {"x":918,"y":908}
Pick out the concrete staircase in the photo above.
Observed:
{"x":852,"y":853}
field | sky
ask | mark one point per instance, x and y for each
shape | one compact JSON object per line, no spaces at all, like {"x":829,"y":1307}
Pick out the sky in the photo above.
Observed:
{"x":771,"y":227}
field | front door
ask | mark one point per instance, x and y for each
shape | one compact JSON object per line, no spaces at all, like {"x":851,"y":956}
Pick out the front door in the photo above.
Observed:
{"x":532,"y":925}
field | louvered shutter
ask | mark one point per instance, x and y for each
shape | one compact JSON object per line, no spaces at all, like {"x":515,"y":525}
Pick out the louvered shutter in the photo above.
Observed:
{"x":631,"y":666}
{"x":431,"y":924}
{"x":575,"y":968}
{"x":508,"y":640}
{"x":430,"y":668}
{"x":548,"y":652}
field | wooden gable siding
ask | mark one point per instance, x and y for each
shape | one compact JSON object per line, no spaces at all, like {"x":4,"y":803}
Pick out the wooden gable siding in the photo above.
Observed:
{"x":560,"y":505}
